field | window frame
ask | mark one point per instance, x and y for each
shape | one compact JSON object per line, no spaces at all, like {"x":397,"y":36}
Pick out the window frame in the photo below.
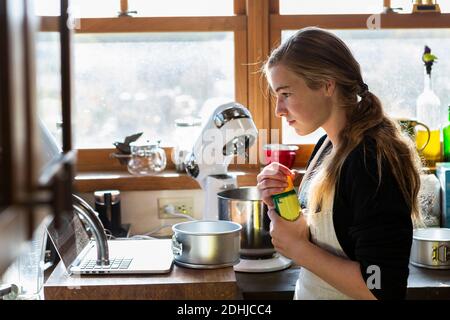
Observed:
{"x":257,"y":26}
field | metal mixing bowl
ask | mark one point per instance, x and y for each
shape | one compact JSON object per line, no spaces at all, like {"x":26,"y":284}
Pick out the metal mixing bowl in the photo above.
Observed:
{"x":206,"y":244}
{"x":244,"y":206}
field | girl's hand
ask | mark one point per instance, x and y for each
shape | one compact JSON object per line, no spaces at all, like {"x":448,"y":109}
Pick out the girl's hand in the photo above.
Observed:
{"x":272,"y":180}
{"x":288,"y":237}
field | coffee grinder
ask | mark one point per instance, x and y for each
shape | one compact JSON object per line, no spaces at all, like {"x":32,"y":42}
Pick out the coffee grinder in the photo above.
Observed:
{"x":107,"y":204}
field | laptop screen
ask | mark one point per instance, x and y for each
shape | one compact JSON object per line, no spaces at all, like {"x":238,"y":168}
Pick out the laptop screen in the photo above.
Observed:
{"x":70,"y":239}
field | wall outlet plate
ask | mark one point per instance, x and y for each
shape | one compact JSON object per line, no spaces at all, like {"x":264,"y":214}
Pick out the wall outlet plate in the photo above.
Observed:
{"x":184,"y":205}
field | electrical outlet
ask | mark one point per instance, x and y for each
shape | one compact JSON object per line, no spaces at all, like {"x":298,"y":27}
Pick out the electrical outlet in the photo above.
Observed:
{"x":181,"y":205}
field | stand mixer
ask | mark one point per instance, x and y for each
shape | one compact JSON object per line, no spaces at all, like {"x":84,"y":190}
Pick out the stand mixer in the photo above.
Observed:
{"x":229,"y":131}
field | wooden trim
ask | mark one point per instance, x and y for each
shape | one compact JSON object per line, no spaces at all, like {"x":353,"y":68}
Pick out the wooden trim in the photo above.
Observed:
{"x":359,"y":21}
{"x":152,"y":24}
{"x":241,"y":68}
{"x":95,"y":160}
{"x":101,"y":160}
{"x":48,"y":24}
{"x":239,"y":7}
{"x":123,"y":6}
{"x":275,"y":122}
{"x":162,"y":24}
{"x":233,"y":23}
{"x":258,"y":50}
{"x":302,"y":155}
{"x":166,"y":180}
{"x":274,"y":6}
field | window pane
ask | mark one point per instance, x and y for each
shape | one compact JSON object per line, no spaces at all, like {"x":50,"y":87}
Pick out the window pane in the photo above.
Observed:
{"x":445,"y":6}
{"x":80,"y":8}
{"x":142,"y":82}
{"x":392,"y":67}
{"x":47,"y":7}
{"x":181,"y":7}
{"x":48,"y":76}
{"x":330,"y":6}
{"x":94,"y":9}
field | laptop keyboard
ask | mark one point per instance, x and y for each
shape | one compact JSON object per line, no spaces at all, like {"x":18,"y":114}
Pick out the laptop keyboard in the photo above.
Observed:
{"x":116,"y":263}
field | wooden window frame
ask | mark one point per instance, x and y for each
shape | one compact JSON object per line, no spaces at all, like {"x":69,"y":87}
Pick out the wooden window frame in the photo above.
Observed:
{"x":257,"y":26}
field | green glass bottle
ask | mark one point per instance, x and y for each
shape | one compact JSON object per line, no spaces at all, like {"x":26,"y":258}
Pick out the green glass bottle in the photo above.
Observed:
{"x":446,"y":136}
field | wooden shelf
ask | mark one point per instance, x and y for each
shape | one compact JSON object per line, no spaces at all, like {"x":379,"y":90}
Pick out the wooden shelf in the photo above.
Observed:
{"x":167,"y":180}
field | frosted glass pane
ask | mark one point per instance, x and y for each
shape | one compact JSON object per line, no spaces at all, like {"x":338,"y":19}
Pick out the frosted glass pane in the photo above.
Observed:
{"x":79,"y":8}
{"x":330,"y":6}
{"x":392,"y":67}
{"x":48,"y":76}
{"x":182,"y":7}
{"x":47,"y":7}
{"x":128,"y":83}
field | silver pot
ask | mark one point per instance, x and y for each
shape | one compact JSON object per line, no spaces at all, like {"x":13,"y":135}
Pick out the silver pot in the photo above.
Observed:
{"x":431,"y":248}
{"x":206,"y":244}
{"x":245,"y":206}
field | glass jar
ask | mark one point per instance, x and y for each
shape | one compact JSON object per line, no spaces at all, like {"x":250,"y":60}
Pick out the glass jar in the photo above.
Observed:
{"x":146,"y":158}
{"x":187,"y":131}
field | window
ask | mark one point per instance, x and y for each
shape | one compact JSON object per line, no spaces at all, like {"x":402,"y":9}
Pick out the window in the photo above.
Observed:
{"x":169,"y":8}
{"x":330,"y":6}
{"x":48,"y":74}
{"x":133,"y":75}
{"x":129,"y":83}
{"x":80,"y":8}
{"x":391,"y":66}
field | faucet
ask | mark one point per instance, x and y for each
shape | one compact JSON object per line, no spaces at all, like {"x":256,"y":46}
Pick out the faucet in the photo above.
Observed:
{"x":92,"y":219}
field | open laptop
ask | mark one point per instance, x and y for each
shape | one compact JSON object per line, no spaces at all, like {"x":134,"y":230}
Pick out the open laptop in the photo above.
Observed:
{"x":79,"y":254}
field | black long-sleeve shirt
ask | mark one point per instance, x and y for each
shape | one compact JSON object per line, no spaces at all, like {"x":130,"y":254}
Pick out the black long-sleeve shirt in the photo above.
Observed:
{"x":372,"y":221}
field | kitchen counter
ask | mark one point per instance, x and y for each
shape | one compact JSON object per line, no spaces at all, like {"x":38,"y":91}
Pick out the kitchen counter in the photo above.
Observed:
{"x":218,"y":284}
{"x":180,"y":283}
{"x":422,"y":284}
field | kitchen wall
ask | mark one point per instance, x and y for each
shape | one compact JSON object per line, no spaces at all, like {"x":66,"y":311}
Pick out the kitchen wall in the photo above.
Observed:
{"x":140,"y":208}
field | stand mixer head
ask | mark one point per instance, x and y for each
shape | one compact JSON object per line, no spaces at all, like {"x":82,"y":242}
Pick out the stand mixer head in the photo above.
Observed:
{"x":229,"y":131}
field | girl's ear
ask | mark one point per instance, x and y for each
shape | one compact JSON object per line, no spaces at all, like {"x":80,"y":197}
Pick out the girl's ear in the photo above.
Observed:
{"x":329,"y":87}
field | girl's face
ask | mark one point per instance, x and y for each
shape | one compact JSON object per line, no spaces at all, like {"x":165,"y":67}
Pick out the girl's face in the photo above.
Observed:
{"x":304,"y":109}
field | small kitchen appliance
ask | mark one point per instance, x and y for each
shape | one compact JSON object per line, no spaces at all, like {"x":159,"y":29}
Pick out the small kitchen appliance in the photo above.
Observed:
{"x":107,"y":204}
{"x":229,"y":131}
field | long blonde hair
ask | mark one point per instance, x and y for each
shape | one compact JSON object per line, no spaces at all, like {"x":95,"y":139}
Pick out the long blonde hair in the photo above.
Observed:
{"x":318,"y":56}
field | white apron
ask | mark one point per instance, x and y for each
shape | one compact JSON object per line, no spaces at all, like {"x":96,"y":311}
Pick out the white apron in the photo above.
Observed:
{"x":309,"y":286}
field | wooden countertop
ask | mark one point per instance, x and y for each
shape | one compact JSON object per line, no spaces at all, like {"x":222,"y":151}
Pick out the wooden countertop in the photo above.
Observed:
{"x":180,"y":283}
{"x":218,"y":284}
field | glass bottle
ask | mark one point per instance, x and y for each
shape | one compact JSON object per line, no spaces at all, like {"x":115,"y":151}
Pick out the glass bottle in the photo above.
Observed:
{"x":186,"y":130}
{"x":429,"y":112}
{"x":446,"y":138}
